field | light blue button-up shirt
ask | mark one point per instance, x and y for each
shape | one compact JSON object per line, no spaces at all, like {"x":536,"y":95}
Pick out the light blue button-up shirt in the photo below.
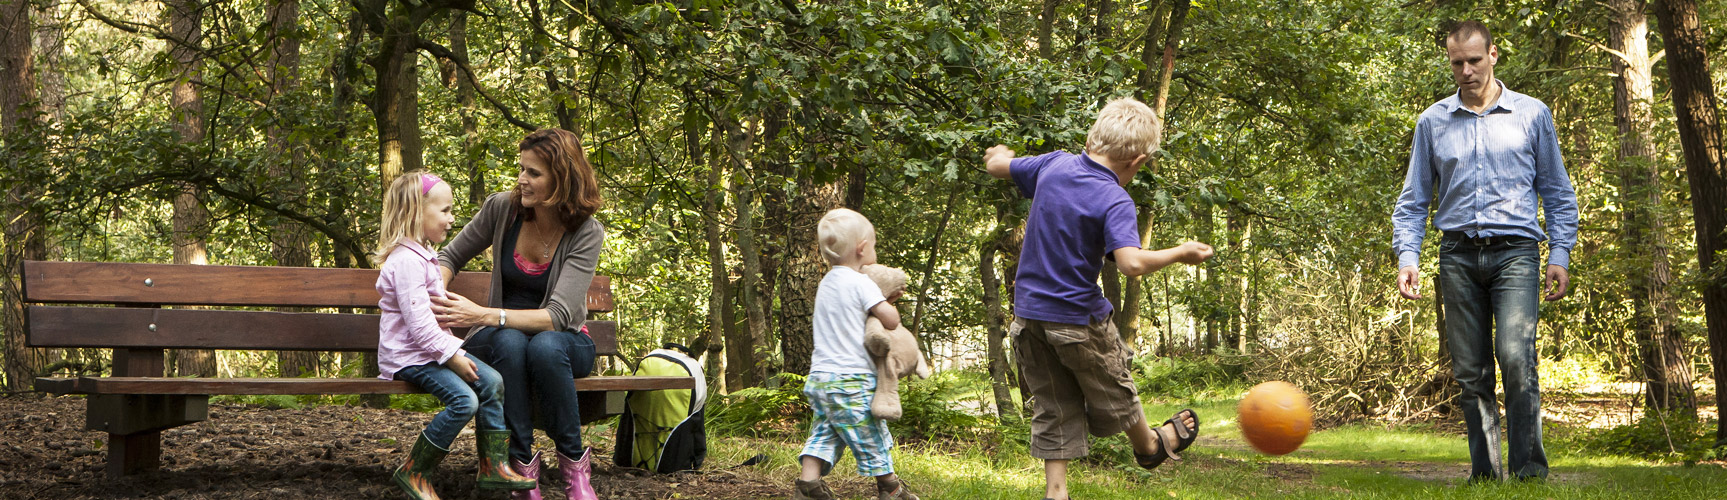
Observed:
{"x":1488,"y":169}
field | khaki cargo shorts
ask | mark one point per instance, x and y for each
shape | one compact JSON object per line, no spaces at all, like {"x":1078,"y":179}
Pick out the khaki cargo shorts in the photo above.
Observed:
{"x":1081,"y":381}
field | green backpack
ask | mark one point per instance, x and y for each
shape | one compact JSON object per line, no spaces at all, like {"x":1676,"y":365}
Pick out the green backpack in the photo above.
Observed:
{"x":665,"y":430}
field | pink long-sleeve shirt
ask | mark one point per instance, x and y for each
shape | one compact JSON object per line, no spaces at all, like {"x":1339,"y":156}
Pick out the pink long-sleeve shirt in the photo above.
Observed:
{"x":408,"y":334}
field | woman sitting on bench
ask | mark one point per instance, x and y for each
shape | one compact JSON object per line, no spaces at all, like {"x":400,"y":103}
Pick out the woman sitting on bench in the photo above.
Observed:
{"x":545,"y":244}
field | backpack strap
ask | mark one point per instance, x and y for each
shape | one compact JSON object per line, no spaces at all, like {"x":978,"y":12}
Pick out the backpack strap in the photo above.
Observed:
{"x":699,"y":399}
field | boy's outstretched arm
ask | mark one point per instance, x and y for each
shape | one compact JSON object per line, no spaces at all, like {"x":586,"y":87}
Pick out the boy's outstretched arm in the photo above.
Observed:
{"x":1137,"y":261}
{"x":887,"y":313}
{"x":996,"y":161}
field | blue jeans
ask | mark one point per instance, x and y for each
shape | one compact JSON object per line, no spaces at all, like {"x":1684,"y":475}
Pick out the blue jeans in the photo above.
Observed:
{"x":1492,"y":300}
{"x":462,"y":401}
{"x":539,"y":367}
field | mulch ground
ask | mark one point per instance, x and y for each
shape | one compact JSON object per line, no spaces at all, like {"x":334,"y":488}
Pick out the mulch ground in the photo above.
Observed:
{"x":323,"y":452}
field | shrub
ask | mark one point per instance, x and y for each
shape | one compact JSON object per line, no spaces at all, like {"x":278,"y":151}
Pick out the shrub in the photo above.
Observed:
{"x":1670,"y":436}
{"x":1189,"y":377}
{"x":937,"y":407}
{"x":761,"y":411}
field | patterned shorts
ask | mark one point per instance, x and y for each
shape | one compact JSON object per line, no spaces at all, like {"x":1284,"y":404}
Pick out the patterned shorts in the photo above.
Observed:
{"x":843,"y":420}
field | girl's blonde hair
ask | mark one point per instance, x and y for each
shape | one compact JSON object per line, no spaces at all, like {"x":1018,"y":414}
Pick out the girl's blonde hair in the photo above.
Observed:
{"x":404,"y":207}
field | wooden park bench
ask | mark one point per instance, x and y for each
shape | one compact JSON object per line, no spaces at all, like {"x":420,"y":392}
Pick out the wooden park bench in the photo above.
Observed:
{"x":137,"y":402}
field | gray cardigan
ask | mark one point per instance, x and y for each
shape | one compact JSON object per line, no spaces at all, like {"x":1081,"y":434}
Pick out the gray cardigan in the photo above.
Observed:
{"x":567,"y":287}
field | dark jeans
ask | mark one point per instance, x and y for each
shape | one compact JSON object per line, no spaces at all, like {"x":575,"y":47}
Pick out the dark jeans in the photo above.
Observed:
{"x":1492,"y":300}
{"x":538,"y":367}
{"x":462,"y":401}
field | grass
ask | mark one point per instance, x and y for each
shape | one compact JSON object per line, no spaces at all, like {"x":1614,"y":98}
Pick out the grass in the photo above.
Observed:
{"x":1357,"y":461}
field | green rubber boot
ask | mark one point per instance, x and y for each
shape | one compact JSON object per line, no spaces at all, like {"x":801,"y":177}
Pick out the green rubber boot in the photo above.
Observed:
{"x":415,"y":475}
{"x":495,"y":472}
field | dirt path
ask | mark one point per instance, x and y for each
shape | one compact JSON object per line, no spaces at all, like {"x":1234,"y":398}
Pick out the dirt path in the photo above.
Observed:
{"x":326,"y":452}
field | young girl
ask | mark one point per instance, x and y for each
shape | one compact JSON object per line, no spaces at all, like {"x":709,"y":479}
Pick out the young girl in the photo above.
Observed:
{"x":413,"y":348}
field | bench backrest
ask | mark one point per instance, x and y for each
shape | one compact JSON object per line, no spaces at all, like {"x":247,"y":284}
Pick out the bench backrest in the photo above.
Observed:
{"x":136,"y":293}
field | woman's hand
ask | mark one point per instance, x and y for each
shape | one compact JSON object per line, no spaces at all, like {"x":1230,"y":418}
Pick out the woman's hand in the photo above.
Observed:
{"x":456,"y":311}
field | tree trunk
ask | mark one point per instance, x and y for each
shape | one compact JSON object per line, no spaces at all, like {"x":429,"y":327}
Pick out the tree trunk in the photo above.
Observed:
{"x":1132,"y":294}
{"x":856,"y":182}
{"x":562,"y":104}
{"x":290,"y":242}
{"x":1234,"y":304}
{"x":1046,"y":28}
{"x":1210,"y":301}
{"x":744,"y":368}
{"x":928,"y":271}
{"x":1100,"y":25}
{"x":472,"y":149}
{"x":719,"y":302}
{"x":1127,"y":322}
{"x":342,"y":97}
{"x":191,"y":221}
{"x":1245,"y":312}
{"x":1700,"y":133}
{"x":22,"y":238}
{"x":1660,"y":346}
{"x":1177,"y":21}
{"x":50,"y":43}
{"x":395,"y":99}
{"x":804,"y":270}
{"x":995,"y":319}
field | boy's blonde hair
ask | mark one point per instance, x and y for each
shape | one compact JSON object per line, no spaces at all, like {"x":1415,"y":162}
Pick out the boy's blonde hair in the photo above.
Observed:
{"x":840,"y":231}
{"x":1125,"y":129}
{"x":404,"y":206}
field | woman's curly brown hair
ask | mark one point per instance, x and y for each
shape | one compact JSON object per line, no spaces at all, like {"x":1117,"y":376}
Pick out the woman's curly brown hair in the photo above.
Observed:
{"x":574,"y":190}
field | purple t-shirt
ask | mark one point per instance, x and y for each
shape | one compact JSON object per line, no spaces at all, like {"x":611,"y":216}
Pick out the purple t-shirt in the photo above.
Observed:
{"x":1079,"y":214}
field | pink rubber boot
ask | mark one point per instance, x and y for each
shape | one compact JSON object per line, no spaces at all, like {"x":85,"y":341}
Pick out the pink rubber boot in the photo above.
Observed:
{"x":530,"y":470}
{"x":576,"y":475}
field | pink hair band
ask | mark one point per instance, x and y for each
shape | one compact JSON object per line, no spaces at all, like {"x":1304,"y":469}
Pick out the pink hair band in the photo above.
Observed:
{"x":427,"y":181}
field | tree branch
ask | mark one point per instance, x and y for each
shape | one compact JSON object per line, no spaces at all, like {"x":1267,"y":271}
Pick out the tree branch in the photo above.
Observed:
{"x":462,"y":62}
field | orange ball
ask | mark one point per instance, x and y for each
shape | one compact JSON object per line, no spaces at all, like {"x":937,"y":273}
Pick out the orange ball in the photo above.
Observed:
{"x":1275,"y":417}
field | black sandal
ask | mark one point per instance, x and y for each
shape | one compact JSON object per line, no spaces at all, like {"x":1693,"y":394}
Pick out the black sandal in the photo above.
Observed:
{"x":1183,"y":439}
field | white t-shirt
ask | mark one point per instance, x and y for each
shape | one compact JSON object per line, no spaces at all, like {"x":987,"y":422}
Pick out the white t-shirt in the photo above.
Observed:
{"x":842,"y":304}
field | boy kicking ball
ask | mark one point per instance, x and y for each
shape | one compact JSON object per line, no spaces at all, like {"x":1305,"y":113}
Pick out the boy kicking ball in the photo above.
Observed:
{"x":1075,"y":366}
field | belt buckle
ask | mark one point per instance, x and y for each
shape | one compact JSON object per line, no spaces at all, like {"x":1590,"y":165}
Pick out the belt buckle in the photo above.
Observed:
{"x":1482,"y":241}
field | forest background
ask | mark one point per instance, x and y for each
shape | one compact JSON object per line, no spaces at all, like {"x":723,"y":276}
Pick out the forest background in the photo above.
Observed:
{"x":260,"y":132}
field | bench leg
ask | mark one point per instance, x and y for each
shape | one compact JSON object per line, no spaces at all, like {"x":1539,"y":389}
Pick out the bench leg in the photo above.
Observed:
{"x":134,"y":423}
{"x":596,"y":406}
{"x":133,"y":453}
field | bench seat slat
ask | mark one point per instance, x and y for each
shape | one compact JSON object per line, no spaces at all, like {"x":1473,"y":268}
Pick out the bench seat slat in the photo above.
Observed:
{"x":131,"y":327}
{"x":296,"y":386}
{"x":184,"y":284}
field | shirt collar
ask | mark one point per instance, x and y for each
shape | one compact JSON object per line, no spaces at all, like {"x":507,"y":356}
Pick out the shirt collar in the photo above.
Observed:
{"x":417,"y":248}
{"x":1507,"y":100}
{"x":1087,"y":161}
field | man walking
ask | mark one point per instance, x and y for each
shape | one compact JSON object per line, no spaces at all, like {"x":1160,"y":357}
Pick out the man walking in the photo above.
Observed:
{"x":1492,"y":157}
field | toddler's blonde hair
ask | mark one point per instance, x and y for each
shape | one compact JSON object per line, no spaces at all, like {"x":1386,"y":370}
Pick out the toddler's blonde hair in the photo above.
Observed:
{"x":404,"y":207}
{"x":840,"y":231}
{"x":1125,"y":129}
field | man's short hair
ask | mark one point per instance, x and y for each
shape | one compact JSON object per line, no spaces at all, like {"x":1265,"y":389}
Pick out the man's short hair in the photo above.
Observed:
{"x":839,"y":232}
{"x":1125,"y":129}
{"x":1463,"y":30}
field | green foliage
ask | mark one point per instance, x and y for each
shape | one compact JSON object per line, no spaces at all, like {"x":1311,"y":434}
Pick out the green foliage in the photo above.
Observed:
{"x":1673,"y":436}
{"x":274,"y":402}
{"x":1189,"y":377}
{"x":944,"y":406}
{"x":778,"y":411}
{"x":1286,"y":130}
{"x":423,"y":403}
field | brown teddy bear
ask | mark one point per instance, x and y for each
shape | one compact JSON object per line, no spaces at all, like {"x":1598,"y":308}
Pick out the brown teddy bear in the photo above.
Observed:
{"x":894,"y":351}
